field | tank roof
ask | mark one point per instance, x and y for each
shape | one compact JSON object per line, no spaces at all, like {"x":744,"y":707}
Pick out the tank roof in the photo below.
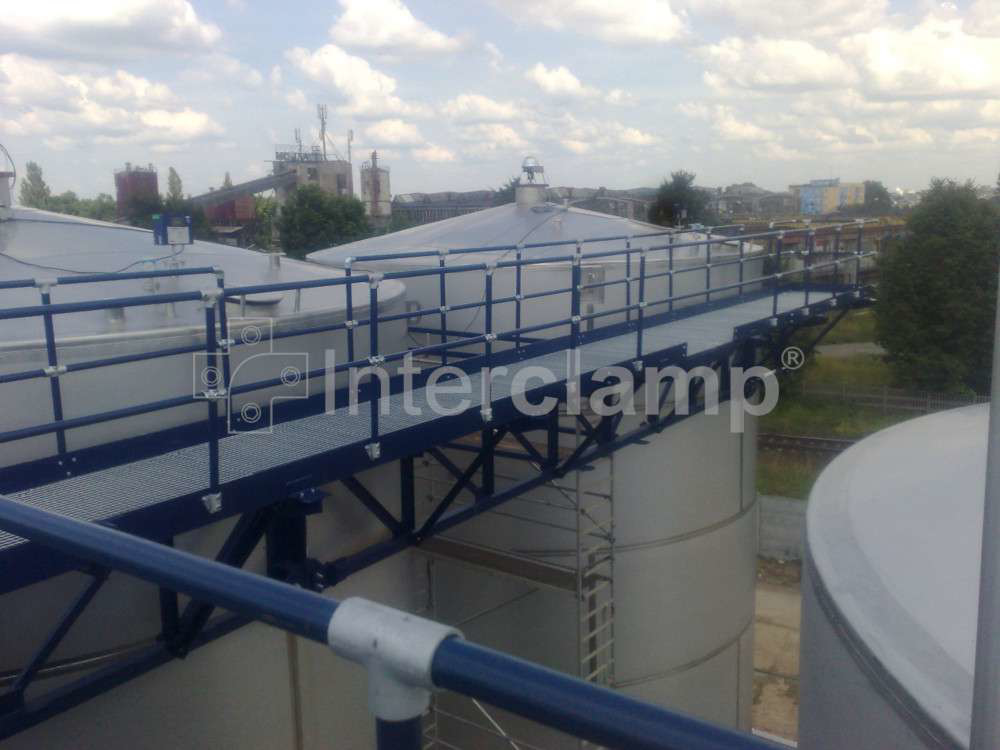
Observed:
{"x":894,"y":532}
{"x":42,"y":245}
{"x":509,"y":224}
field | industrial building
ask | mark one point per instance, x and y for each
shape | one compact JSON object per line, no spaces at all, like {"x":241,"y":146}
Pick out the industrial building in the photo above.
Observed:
{"x":819,"y":197}
{"x":135,"y":182}
{"x":376,"y":192}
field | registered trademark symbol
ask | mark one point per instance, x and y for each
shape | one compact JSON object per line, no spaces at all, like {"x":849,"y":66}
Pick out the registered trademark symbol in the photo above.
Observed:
{"x":792,"y":358}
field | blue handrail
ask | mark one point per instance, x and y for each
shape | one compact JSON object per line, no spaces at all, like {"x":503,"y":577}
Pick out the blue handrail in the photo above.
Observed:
{"x":556,"y":700}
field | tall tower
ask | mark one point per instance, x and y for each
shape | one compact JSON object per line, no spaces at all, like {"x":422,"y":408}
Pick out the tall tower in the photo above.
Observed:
{"x":375,"y":193}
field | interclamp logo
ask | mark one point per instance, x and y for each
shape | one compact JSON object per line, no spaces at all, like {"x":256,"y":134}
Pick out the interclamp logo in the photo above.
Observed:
{"x":261,"y":377}
{"x":258,"y":379}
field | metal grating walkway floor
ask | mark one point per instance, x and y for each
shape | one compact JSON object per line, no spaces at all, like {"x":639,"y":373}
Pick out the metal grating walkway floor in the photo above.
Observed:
{"x":108,"y":493}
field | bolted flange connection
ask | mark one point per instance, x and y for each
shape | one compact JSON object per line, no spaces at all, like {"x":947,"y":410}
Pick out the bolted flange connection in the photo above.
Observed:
{"x":396,"y":647}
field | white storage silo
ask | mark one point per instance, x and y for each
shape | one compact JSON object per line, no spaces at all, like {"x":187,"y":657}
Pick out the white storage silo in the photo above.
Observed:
{"x":672,"y":522}
{"x":891,"y":585}
{"x":257,"y":687}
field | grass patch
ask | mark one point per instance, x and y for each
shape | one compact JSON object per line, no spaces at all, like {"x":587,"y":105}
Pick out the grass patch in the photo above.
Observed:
{"x":857,"y":327}
{"x":795,"y":415}
{"x":860,"y":370}
{"x":788,"y":473}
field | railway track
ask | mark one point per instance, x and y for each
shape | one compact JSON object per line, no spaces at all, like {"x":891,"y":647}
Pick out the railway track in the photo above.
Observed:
{"x":802,"y":443}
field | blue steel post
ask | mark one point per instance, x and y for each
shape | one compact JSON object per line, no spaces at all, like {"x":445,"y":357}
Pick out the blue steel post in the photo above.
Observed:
{"x":486,"y":436}
{"x":628,"y":279}
{"x":225,"y":344}
{"x":444,"y":306}
{"x":642,"y":302}
{"x":708,"y":269}
{"x":518,"y":291}
{"x":810,"y":249}
{"x":349,"y":293}
{"x":53,"y":368}
{"x":212,"y":394}
{"x":742,"y":258}
{"x":399,"y":735}
{"x":374,"y":381}
{"x":574,"y":304}
{"x":857,"y":255}
{"x":836,"y":254}
{"x":670,"y":274}
{"x":778,"y":242}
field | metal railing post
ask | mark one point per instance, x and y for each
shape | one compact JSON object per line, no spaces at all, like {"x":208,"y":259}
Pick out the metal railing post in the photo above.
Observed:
{"x":374,"y":360}
{"x":349,"y":293}
{"x":518,"y":294}
{"x":487,"y":371}
{"x":628,"y":280}
{"x":708,"y":269}
{"x":778,"y":242}
{"x":857,"y":255}
{"x":225,"y":342}
{"x":810,"y":247}
{"x":443,"y":304}
{"x":213,"y":394}
{"x":836,"y":254}
{"x":742,"y":258}
{"x":574,"y":315}
{"x":642,"y":302}
{"x":670,"y":275}
{"x":53,"y":370}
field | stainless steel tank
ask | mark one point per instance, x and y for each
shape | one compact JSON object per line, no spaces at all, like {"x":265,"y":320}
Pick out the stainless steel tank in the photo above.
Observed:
{"x":891,"y":586}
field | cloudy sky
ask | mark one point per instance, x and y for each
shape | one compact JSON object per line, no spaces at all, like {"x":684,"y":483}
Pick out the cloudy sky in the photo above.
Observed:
{"x":454,"y":93}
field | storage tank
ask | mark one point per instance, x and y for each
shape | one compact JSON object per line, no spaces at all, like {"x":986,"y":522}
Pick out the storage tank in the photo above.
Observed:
{"x":257,"y":687}
{"x":530,"y":220}
{"x":890,"y":588}
{"x":675,"y":626}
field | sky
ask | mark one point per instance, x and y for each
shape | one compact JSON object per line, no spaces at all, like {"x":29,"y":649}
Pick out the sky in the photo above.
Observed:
{"x":454,"y":94}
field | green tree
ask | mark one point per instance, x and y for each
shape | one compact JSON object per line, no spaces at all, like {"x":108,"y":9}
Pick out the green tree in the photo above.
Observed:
{"x":312,"y":219}
{"x":937,"y":292}
{"x":505,"y":193}
{"x":678,"y":201}
{"x":102,"y":207}
{"x":64,"y":203}
{"x":878,"y":202}
{"x":266,"y":211}
{"x":34,"y":192}
{"x":175,"y":188}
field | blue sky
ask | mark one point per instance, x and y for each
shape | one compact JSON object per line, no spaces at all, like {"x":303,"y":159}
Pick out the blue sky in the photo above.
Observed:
{"x":453,"y":95}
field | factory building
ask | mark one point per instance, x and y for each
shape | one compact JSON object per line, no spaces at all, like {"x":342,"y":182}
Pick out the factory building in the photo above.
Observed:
{"x":135,"y":182}
{"x":311,"y":167}
{"x":375,"y":192}
{"x":819,"y":197}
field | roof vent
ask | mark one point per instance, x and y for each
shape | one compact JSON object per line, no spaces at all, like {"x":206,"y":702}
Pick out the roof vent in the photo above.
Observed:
{"x":531,"y":189}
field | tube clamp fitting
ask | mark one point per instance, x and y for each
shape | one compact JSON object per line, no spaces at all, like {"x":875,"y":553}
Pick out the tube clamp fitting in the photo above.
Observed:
{"x":398,"y":650}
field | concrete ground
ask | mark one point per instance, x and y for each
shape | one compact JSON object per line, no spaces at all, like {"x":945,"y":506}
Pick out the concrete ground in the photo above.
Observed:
{"x":776,"y":648}
{"x":850,"y":350}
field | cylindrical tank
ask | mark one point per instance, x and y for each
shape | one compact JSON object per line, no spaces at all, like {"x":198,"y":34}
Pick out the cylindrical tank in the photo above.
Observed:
{"x":890,"y":588}
{"x":532,"y":220}
{"x":257,"y":687}
{"x":683,"y":503}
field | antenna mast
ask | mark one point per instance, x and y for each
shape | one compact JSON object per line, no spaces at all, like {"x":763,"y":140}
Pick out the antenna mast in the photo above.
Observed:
{"x":321,"y":113}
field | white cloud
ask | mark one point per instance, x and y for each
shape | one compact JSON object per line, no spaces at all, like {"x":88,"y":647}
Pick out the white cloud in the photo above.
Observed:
{"x":368,"y":92}
{"x":774,"y":64}
{"x":636,"y":137}
{"x":478,"y":107}
{"x":983,"y":18}
{"x":275,"y":76}
{"x":433,"y":153}
{"x":558,"y":81}
{"x":297,"y":98}
{"x":787,"y":18}
{"x":104,"y":30}
{"x":575,"y":146}
{"x":495,"y":56}
{"x":619,"y":97}
{"x":388,"y":26}
{"x":976,"y":136}
{"x":934,"y":59}
{"x":645,"y":21}
{"x":394,"y":132}
{"x":491,"y":136}
{"x":45,"y":99}
{"x":725,"y":122}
